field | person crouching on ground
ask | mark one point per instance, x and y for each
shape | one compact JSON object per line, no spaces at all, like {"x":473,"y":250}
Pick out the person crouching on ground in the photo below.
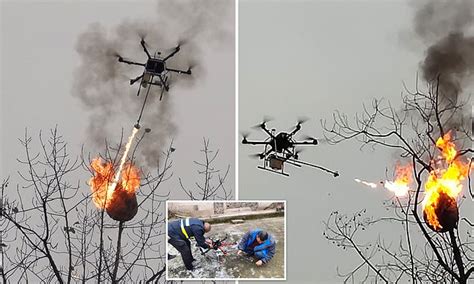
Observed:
{"x":259,"y":244}
{"x":179,"y":233}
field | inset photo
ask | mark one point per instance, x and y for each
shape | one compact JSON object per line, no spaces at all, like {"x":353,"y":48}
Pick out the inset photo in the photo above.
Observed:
{"x":226,"y":240}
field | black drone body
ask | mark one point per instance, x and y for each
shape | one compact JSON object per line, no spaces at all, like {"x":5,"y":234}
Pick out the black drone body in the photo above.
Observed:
{"x":156,"y":72}
{"x":281,"y":148}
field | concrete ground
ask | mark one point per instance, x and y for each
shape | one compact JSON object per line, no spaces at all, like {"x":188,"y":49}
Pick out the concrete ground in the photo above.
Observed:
{"x":215,"y":265}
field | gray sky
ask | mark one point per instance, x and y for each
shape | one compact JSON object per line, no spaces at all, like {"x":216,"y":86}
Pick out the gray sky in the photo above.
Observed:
{"x":309,"y":58}
{"x":38,"y":58}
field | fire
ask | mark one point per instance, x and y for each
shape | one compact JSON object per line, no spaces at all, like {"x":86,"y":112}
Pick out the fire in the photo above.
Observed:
{"x":114,"y":190}
{"x":443,"y":186}
{"x":369,"y":184}
{"x":400,"y":186}
{"x":103,"y":186}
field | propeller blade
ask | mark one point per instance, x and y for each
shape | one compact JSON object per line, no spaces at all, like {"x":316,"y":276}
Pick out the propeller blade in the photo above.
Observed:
{"x":192,"y":64}
{"x":265,"y":119}
{"x":302,"y":119}
{"x":245,"y":134}
{"x":182,"y":41}
{"x":317,"y":140}
{"x":255,"y":156}
{"x":307,"y":137}
{"x":297,"y":152}
{"x":142,"y":40}
{"x":142,"y":35}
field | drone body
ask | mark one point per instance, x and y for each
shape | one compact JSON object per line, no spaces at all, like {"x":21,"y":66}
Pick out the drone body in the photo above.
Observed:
{"x":156,"y":72}
{"x":280,"y":149}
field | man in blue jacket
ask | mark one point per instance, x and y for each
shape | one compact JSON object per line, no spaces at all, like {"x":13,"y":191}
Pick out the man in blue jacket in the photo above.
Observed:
{"x":179,"y":233}
{"x":259,"y":244}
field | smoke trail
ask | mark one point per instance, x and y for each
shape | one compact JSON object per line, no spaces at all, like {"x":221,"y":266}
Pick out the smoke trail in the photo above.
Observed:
{"x":444,"y":27}
{"x":102,"y":83}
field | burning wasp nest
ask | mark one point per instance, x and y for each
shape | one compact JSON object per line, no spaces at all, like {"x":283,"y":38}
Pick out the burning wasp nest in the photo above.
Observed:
{"x":442,"y":216}
{"x":115,"y":193}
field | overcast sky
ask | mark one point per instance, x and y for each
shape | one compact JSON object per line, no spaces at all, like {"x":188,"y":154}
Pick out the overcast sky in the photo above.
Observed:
{"x":309,"y":58}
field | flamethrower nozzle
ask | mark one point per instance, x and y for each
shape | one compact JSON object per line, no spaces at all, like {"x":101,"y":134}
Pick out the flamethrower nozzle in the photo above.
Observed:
{"x":137,"y":126}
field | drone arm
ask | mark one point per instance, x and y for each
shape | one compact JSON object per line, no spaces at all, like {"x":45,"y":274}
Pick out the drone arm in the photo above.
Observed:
{"x":120,"y":59}
{"x":315,"y":142}
{"x":176,"y":50}
{"x":133,"y":81}
{"x":142,"y":42}
{"x":255,"y":142}
{"x":264,"y":128}
{"x":297,"y":128}
{"x":180,"y":71}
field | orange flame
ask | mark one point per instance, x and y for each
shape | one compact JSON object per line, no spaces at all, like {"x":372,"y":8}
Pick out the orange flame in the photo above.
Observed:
{"x":102,"y":183}
{"x":403,"y":178}
{"x":400,"y":186}
{"x":443,"y":186}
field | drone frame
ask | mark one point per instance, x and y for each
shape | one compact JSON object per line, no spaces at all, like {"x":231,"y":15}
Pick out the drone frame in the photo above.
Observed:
{"x":220,"y":246}
{"x":154,"y":67}
{"x":287,"y":154}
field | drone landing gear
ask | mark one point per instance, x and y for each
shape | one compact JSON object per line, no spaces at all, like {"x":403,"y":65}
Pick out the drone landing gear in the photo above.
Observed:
{"x":273,"y":171}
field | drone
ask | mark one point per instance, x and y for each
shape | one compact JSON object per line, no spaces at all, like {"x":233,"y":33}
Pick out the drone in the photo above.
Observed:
{"x":218,"y":245}
{"x":156,"y":73}
{"x":280,"y":149}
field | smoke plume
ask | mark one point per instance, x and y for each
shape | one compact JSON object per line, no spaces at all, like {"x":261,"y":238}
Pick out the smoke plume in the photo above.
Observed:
{"x":446,"y":28}
{"x":102,"y":83}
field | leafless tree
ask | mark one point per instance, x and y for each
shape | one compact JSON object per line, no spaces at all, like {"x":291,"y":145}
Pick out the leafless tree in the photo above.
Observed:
{"x":420,"y":255}
{"x":51,"y":231}
{"x":212,"y":186}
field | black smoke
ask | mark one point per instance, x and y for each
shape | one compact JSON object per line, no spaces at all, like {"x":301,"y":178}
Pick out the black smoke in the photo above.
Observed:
{"x":445,"y":27}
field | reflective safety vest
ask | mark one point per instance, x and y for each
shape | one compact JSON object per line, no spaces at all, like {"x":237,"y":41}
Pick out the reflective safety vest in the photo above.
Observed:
{"x":185,"y":222}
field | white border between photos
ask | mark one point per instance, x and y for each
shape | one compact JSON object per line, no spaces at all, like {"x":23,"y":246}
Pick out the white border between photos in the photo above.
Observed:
{"x":285,"y":257}
{"x":236,"y":82}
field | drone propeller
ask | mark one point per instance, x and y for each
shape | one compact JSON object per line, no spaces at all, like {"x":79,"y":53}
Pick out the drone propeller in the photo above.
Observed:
{"x":302,"y":119}
{"x":264,"y":121}
{"x":244,"y":135}
{"x":182,"y":41}
{"x":142,"y":34}
{"x":315,"y":141}
{"x":118,"y":56}
{"x":260,"y":156}
{"x":192,"y":65}
{"x":142,"y":41}
{"x":297,"y":151}
{"x":178,"y":46}
{"x":318,"y":140}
